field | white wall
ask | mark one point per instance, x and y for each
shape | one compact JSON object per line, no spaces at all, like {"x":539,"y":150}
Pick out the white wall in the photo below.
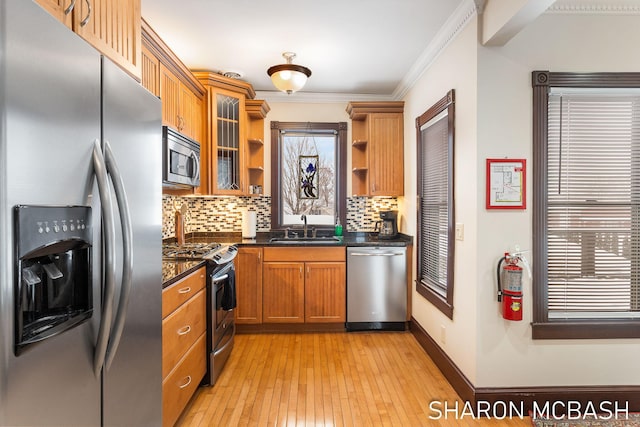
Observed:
{"x":455,"y":68}
{"x":494,"y":119}
{"x":554,"y":42}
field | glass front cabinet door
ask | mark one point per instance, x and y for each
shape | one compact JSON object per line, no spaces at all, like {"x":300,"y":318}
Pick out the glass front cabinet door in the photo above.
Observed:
{"x":228,"y":135}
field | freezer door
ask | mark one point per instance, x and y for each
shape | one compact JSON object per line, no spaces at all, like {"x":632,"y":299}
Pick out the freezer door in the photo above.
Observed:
{"x":49,"y":119}
{"x":132,"y":128}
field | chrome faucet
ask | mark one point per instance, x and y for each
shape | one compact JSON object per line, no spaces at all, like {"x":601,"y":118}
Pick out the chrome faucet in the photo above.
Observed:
{"x":304,"y":218}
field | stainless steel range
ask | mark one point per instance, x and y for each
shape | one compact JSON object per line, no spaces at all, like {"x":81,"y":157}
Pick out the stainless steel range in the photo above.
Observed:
{"x":221,"y":298}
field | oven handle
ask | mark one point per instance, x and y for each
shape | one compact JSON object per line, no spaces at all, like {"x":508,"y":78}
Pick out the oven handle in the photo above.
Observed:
{"x":219,"y":279}
{"x":127,"y":254}
{"x":108,"y":259}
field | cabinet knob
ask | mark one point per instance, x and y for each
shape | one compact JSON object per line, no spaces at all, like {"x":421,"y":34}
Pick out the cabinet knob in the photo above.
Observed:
{"x":185,"y":290}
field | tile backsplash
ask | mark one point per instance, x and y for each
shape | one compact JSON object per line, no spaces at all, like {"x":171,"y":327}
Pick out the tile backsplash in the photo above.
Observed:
{"x":224,"y":213}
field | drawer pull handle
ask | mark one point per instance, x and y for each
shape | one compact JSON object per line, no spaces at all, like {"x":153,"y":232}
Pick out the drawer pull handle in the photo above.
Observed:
{"x":188,"y":378}
{"x":185,"y":290}
{"x":185,"y":330}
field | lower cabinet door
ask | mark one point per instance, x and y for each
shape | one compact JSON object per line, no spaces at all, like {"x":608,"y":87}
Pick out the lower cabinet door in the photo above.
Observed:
{"x":325,"y":292}
{"x":180,"y":385}
{"x":283,"y":292}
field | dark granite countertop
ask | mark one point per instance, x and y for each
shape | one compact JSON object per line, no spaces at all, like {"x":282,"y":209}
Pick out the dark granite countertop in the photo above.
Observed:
{"x":264,"y":239}
{"x":174,"y":270}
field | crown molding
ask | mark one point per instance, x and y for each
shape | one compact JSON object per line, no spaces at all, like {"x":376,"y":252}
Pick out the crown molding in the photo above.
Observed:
{"x":451,"y":28}
{"x":594,"y":9}
{"x":318,"y":97}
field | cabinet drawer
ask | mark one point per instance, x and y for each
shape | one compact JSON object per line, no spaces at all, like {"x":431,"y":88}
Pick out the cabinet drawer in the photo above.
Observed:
{"x":181,"y":329}
{"x":178,"y":387}
{"x":182,"y":290}
{"x":337,"y":253}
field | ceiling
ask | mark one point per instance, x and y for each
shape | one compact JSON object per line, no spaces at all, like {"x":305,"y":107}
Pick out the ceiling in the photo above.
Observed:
{"x":374,"y":48}
{"x":351,"y":47}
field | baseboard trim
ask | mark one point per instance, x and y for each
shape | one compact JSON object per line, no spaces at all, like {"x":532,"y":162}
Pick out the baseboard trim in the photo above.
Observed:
{"x":623,"y":396}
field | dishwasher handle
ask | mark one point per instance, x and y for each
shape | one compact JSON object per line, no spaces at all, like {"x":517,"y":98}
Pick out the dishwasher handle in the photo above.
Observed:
{"x":377,"y":254}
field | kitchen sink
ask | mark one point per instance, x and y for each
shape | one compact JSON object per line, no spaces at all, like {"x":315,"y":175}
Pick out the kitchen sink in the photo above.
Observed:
{"x":328,"y":240}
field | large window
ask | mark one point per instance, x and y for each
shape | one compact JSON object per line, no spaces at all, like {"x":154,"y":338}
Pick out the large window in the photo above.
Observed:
{"x":435,"y":138}
{"x":308,"y":173}
{"x":586,"y":205}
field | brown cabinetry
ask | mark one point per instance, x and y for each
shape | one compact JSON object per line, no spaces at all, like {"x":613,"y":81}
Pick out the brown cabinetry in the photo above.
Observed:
{"x":150,"y":71}
{"x":377,"y":148}
{"x":111,"y":26}
{"x":249,"y":286}
{"x":235,"y":136}
{"x":283,"y":292}
{"x":164,"y":75}
{"x":325,"y":292}
{"x":304,"y":286}
{"x":257,"y":110}
{"x":183,"y":342}
{"x":180,"y":107}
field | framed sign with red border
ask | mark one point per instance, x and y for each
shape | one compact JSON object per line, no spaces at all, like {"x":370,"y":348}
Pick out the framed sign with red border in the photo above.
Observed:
{"x":506,"y":184}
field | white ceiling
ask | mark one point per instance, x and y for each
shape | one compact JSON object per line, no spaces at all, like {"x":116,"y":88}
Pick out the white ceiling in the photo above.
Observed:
{"x":351,"y":46}
{"x":369,"y":48}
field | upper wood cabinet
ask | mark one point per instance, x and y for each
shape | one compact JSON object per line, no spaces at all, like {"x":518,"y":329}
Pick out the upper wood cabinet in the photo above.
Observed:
{"x":257,"y":110}
{"x":150,"y":71}
{"x":111,"y":26}
{"x":164,"y":75}
{"x":377,"y":148}
{"x":234,"y":135}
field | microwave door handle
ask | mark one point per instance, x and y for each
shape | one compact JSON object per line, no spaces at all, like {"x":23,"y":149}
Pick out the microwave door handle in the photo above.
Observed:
{"x":127,"y":254}
{"x":108,"y":258}
{"x":196,"y":162}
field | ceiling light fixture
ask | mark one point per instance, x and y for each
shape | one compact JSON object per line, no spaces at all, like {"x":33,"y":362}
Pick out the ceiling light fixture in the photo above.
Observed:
{"x":289,"y":77}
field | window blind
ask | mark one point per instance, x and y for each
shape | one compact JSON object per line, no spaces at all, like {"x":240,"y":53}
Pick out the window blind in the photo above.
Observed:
{"x":434,"y":204}
{"x":593,"y":195}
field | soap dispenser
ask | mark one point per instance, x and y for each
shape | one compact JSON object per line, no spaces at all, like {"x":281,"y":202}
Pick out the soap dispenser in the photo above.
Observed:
{"x":338,"y":230}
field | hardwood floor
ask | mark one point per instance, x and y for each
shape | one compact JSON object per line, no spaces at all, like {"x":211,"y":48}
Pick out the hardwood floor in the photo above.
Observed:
{"x":329,"y":379}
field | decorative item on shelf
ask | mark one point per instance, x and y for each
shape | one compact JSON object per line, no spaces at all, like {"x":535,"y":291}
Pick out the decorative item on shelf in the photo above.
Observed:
{"x":289,"y":77}
{"x":309,"y":177}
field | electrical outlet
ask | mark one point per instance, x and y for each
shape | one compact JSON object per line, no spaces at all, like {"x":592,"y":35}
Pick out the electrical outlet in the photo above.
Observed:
{"x":459,"y":231}
{"x":443,"y":334}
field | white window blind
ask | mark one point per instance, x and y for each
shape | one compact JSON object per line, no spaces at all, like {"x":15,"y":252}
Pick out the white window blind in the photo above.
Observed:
{"x":593,"y":225}
{"x":434,"y":220}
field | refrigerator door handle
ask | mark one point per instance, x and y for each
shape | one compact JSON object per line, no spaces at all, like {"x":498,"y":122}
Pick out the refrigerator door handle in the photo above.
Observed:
{"x":108,"y":259}
{"x":127,"y":254}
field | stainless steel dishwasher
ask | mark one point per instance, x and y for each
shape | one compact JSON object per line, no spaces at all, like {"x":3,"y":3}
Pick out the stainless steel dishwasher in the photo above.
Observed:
{"x":376,"y":288}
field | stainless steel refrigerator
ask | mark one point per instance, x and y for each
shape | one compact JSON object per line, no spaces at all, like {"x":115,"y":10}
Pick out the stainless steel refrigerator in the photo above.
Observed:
{"x":61,"y":106}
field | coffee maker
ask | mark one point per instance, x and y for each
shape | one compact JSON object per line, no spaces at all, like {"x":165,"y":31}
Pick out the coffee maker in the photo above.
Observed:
{"x":388,"y":225}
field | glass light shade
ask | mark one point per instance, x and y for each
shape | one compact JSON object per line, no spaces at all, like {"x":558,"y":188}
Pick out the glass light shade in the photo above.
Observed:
{"x":289,"y":77}
{"x":289,"y":81}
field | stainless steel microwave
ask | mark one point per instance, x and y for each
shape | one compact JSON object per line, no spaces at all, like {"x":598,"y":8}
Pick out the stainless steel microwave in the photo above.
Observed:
{"x":180,"y":160}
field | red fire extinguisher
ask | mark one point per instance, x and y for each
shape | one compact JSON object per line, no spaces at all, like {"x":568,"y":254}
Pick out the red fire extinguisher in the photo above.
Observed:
{"x":510,"y":286}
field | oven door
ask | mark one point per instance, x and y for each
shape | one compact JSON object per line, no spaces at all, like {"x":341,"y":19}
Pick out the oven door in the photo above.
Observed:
{"x":223,"y":302}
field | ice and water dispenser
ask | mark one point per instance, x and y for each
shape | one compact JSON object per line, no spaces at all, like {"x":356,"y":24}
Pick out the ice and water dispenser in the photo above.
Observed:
{"x":53,"y":278}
